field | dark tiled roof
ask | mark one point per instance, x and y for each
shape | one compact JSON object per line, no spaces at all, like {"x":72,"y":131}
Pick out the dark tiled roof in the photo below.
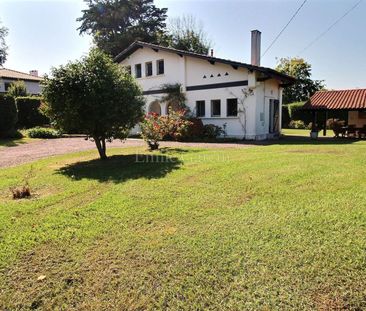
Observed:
{"x":17,"y":75}
{"x":267,"y":72}
{"x":332,"y":100}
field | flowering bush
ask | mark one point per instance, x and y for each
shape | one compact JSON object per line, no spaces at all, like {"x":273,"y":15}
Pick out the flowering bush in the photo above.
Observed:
{"x":155,"y":128}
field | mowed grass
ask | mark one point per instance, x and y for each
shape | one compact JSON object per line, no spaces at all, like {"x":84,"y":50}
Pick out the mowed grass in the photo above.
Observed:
{"x":305,"y":133}
{"x":279,"y":227}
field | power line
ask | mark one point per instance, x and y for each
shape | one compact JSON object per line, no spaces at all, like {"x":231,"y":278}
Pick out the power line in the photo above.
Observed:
{"x":284,"y":28}
{"x":330,"y":27}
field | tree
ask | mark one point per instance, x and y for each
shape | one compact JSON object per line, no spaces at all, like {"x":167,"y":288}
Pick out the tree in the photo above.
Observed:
{"x":304,"y":86}
{"x":94,"y":96}
{"x":17,"y":89}
{"x":3,"y":46}
{"x":185,"y":34}
{"x":115,"y":24}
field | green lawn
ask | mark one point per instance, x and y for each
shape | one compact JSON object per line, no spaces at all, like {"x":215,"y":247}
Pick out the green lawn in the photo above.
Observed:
{"x":298,"y":132}
{"x":279,"y":227}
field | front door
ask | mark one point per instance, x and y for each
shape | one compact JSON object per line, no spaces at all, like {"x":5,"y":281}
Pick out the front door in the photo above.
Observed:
{"x":274,"y":115}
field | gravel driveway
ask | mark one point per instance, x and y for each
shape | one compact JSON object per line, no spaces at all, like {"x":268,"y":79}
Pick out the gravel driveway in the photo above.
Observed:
{"x":11,"y":156}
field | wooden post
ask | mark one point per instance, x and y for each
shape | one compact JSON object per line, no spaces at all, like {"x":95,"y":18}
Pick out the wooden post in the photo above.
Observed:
{"x":325,"y":123}
{"x":313,"y":125}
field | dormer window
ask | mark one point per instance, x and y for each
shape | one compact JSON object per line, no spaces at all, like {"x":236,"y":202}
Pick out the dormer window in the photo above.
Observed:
{"x":148,"y":69}
{"x":160,"y":66}
{"x":138,"y":71}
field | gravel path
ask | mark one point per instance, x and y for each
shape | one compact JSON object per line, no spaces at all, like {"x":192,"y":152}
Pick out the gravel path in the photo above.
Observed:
{"x":11,"y":156}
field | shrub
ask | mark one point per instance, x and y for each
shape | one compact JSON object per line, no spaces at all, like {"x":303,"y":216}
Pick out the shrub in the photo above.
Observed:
{"x":212,"y":131}
{"x":17,"y":89}
{"x":195,"y":129}
{"x":43,"y":132}
{"x":155,"y":128}
{"x":8,"y":115}
{"x":29,"y":112}
{"x":297,"y":124}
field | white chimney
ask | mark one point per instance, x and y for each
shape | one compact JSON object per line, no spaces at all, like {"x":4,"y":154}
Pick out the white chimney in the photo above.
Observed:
{"x":256,"y":48}
{"x":34,"y":73}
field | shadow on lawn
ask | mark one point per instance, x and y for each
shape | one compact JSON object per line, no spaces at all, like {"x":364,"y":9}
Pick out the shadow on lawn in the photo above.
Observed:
{"x":120,"y":168}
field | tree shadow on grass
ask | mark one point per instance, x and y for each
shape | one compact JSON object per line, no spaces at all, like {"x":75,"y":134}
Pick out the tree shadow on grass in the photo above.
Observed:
{"x":119,"y":168}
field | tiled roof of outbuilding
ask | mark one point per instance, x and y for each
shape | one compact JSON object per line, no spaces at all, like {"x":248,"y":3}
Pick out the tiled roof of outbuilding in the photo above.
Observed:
{"x":335,"y":100}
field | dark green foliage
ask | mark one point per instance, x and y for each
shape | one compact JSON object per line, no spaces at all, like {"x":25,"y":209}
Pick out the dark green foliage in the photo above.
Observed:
{"x":43,"y":132}
{"x":95,"y":97}
{"x":29,"y":113}
{"x":304,"y":86}
{"x":17,"y":89}
{"x":297,"y":113}
{"x":115,"y":24}
{"x":212,"y":131}
{"x":8,"y":115}
{"x":285,"y":116}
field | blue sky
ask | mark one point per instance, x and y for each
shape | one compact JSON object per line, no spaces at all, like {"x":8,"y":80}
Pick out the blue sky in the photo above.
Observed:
{"x":43,"y":33}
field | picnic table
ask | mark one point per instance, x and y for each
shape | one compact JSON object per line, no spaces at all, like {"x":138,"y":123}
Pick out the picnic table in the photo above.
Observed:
{"x":351,"y":131}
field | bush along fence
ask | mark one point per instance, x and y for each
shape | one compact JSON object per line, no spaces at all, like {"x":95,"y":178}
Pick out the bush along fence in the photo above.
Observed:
{"x":293,"y":116}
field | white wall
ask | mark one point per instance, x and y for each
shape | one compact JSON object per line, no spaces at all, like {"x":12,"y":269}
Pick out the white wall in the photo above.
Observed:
{"x":173,"y":68}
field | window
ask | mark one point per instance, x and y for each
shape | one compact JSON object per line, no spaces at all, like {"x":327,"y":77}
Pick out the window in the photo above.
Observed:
{"x":216,"y":108}
{"x":138,"y":70}
{"x":128,"y":69}
{"x":232,"y":107}
{"x":200,"y":108}
{"x":7,"y":85}
{"x":148,"y":69}
{"x":160,"y":66}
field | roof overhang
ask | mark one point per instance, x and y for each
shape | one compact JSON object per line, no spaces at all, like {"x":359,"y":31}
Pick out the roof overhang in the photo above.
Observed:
{"x":265,"y":73}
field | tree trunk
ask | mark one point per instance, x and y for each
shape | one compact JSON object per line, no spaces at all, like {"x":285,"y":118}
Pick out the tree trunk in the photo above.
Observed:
{"x":100,"y":143}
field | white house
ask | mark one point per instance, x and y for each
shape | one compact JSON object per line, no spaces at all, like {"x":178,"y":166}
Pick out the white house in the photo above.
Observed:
{"x":31,"y":80}
{"x":245,"y":99}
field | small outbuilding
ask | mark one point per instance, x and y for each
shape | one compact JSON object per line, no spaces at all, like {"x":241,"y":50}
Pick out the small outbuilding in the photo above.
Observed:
{"x":351,"y":102}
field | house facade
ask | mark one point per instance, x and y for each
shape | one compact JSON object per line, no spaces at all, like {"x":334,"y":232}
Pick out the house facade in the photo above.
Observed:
{"x":244,"y":99}
{"x":31,"y":80}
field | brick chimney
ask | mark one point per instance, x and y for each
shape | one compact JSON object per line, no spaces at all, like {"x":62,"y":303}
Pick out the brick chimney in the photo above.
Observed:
{"x":34,"y":73}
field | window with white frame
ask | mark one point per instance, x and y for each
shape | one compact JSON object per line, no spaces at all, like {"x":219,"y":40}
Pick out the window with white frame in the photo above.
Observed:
{"x":232,"y":107}
{"x":160,"y":66}
{"x":138,"y":72}
{"x":216,"y":108}
{"x":200,"y":108}
{"x":148,"y":69}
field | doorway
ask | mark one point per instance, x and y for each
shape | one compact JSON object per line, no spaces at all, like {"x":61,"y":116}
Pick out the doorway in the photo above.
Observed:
{"x":274,"y":116}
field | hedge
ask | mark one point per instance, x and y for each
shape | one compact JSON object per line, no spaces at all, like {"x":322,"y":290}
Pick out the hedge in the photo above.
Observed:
{"x":8,"y":115}
{"x":295,"y":112}
{"x":29,"y":114}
